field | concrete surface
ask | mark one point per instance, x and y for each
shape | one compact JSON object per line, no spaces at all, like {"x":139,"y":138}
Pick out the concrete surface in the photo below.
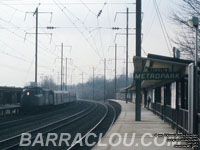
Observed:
{"x":126,"y":124}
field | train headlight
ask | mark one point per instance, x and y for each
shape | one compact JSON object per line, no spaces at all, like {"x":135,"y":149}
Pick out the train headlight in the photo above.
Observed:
{"x":27,"y":93}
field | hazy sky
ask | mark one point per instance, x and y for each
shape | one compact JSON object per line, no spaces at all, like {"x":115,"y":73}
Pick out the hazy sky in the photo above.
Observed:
{"x":92,"y":39}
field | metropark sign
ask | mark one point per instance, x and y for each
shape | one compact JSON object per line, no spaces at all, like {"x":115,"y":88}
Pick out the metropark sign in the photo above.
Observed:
{"x":156,"y":76}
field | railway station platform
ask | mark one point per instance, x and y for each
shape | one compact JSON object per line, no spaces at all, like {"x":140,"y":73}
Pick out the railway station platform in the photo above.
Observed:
{"x":9,"y":109}
{"x":126,"y":124}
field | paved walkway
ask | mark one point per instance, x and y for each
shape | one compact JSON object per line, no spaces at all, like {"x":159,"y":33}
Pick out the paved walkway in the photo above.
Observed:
{"x":3,"y":107}
{"x":126,"y":123}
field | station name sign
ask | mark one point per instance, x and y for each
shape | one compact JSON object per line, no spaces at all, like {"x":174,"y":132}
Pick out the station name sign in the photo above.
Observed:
{"x":156,"y":76}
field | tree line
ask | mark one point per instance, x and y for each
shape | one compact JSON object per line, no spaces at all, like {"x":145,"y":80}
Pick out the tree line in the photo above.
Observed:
{"x":85,"y":90}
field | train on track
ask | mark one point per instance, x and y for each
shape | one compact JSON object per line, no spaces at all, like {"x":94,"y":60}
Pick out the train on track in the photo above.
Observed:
{"x":34,"y":96}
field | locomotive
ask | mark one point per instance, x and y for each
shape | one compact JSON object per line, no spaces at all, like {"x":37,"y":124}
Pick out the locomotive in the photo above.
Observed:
{"x":34,"y":96}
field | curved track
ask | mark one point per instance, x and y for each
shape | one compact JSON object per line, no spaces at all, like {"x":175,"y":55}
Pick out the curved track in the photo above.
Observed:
{"x":22,"y":119}
{"x":101,"y":127}
{"x":13,"y":141}
{"x":89,"y":117}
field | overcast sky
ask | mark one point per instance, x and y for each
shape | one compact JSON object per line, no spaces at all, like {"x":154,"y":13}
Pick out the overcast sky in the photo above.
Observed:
{"x":91,"y":38}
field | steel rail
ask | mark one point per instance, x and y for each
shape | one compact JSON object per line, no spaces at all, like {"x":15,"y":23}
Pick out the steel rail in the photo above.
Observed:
{"x":114,"y":118}
{"x":48,"y":125}
{"x":18,"y":121}
{"x":93,"y":128}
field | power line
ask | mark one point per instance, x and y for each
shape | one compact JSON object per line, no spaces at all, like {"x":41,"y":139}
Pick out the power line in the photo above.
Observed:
{"x":36,"y":39}
{"x":73,"y":3}
{"x":88,"y":8}
{"x":153,"y":13}
{"x":21,"y":37}
{"x":17,"y":57}
{"x":100,"y":37}
{"x":25,"y":31}
{"x":8,"y":46}
{"x":162,"y":26}
{"x":83,"y":23}
{"x":101,"y":10}
{"x":16,"y":9}
{"x":77,"y":29}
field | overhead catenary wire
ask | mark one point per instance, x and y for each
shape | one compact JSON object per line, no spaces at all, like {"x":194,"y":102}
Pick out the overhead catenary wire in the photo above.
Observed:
{"x":100,"y":38}
{"x":16,"y":9}
{"x":96,"y":51}
{"x":84,"y":25}
{"x":165,"y":33}
{"x":19,"y":27}
{"x":153,"y":14}
{"x":101,"y":10}
{"x":14,"y":56}
{"x":21,"y":37}
{"x":163,"y":23}
{"x":90,"y":33}
{"x":88,"y":8}
{"x":71,"y":3}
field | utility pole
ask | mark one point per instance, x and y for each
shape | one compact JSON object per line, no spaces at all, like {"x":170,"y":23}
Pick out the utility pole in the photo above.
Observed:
{"x":127,"y":36}
{"x":82,"y":84}
{"x":115,"y":59}
{"x":115,"y":70}
{"x":36,"y":39}
{"x":61,"y":74}
{"x":127,"y":11}
{"x":62,"y":68}
{"x":58,"y":80}
{"x":93,"y":85}
{"x":66,"y":76}
{"x":104,"y":80}
{"x":71,"y":83}
{"x":138,"y":54}
{"x":36,"y":44}
{"x":196,"y":108}
{"x":193,"y":122}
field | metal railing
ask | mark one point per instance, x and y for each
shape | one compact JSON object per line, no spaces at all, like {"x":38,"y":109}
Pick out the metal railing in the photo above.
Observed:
{"x":178,"y":118}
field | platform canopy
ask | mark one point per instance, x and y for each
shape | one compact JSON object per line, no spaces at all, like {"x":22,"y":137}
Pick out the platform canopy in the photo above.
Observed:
{"x":157,"y":70}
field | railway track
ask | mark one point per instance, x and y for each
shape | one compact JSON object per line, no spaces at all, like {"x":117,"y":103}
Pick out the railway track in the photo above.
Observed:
{"x":35,"y":112}
{"x":23,"y":125}
{"x":23,"y":119}
{"x":101,"y":127}
{"x":117,"y":107}
{"x":97,"y":118}
{"x":13,"y":142}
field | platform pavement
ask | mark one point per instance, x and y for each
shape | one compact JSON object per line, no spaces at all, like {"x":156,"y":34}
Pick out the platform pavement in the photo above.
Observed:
{"x":2,"y":107}
{"x":126,"y":124}
{"x":9,"y":109}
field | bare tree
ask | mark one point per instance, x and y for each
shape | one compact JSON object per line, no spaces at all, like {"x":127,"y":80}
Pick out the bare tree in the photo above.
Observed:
{"x":48,"y":83}
{"x":185,"y":39}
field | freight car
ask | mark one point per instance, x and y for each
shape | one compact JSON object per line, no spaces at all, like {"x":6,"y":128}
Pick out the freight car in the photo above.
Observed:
{"x":35,"y":96}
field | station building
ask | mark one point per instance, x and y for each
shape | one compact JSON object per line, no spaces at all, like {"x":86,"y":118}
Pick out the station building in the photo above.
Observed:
{"x":168,"y":83}
{"x":10,"y":95}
